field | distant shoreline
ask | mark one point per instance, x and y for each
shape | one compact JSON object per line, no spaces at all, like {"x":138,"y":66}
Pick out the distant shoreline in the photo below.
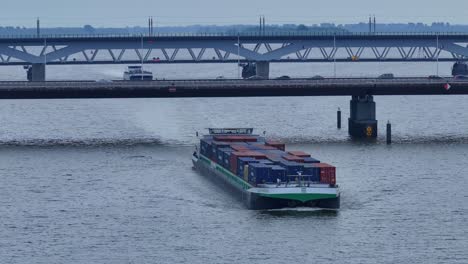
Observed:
{"x":324,"y":27}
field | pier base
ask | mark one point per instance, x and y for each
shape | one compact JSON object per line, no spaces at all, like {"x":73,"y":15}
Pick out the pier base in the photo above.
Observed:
{"x":263,"y":69}
{"x":362,"y":122}
{"x":37,"y":72}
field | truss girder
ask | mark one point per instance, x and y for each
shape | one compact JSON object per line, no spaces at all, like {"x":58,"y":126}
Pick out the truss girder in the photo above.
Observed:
{"x":221,"y":50}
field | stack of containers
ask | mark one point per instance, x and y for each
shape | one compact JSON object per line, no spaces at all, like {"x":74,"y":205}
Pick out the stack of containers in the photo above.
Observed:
{"x":299,"y":154}
{"x":278,"y":172}
{"x":215,"y":145}
{"x":267,"y":161}
{"x":237,"y":154}
{"x":241,"y":162}
{"x":292,"y":168}
{"x":311,"y":160}
{"x":205,"y":147}
{"x":224,"y":155}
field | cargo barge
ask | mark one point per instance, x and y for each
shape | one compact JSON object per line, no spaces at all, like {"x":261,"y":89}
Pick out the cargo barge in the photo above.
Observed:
{"x":263,"y":173}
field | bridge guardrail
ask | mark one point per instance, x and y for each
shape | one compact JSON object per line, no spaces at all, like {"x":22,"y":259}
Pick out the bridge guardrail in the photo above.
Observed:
{"x":243,"y":34}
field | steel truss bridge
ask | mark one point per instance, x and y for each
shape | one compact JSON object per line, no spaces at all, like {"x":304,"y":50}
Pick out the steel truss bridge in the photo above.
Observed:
{"x":222,"y":48}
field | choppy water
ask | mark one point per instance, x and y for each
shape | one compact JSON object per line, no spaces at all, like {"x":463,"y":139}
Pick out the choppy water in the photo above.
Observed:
{"x":110,"y":181}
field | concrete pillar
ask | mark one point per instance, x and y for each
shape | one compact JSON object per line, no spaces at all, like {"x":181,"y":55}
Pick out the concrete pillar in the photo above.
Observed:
{"x":362,"y":122}
{"x":263,"y":69}
{"x":37,"y":72}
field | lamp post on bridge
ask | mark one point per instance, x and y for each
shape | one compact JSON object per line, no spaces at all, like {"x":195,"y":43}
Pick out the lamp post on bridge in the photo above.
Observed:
{"x":437,"y":55}
{"x":334,"y":54}
{"x":238,"y":55}
{"x":141,"y":56}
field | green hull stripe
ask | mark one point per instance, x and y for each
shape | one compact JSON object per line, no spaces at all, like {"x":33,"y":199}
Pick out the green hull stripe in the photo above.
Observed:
{"x":303,"y":197}
{"x":229,"y":175}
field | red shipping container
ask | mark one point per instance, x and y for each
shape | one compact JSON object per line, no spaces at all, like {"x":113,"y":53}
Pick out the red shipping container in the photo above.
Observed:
{"x":239,"y":147}
{"x":327,"y":173}
{"x":293,"y":158}
{"x":276,"y":144}
{"x":299,"y":154}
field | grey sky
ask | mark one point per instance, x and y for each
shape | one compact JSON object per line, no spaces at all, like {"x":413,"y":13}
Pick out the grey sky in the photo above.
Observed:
{"x":183,"y":12}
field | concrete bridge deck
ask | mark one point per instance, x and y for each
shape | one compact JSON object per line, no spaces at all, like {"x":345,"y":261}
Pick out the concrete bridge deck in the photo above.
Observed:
{"x":231,"y":88}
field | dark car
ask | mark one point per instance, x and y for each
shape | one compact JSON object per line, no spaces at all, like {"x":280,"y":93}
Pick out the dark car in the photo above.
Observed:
{"x":284,"y":77}
{"x":461,"y":77}
{"x":435,"y":77}
{"x":317,"y":77}
{"x":387,"y":76}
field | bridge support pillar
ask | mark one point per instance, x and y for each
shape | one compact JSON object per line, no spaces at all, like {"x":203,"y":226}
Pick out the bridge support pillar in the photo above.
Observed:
{"x":263,"y":69}
{"x":362,"y":122}
{"x":37,"y":72}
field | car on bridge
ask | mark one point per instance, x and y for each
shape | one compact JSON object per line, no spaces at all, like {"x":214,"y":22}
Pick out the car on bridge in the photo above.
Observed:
{"x":387,"y":76}
{"x":317,"y":77}
{"x":461,"y":77}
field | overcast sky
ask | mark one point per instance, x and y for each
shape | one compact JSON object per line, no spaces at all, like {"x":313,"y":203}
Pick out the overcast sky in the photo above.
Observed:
{"x":183,"y":12}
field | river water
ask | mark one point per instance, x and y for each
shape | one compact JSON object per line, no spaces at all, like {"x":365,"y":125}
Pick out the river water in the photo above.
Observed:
{"x":111,"y":181}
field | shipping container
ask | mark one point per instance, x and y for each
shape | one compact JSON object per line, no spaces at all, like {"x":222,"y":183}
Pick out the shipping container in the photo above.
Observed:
{"x":311,"y":160}
{"x":278,"y":172}
{"x":259,"y":173}
{"x":276,"y":144}
{"x":312,"y":173}
{"x":221,"y":153}
{"x":293,"y":158}
{"x":236,"y":154}
{"x":276,"y":159}
{"x":241,"y":162}
{"x":205,"y":147}
{"x":239,"y":147}
{"x":214,"y":149}
{"x":327,"y":173}
{"x":299,"y":153}
{"x":226,"y":154}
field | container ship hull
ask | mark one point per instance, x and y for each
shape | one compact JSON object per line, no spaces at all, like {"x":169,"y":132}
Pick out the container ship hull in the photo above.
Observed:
{"x":269,"y":197}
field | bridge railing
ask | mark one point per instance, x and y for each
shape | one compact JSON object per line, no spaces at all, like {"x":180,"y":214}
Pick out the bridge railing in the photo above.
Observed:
{"x":235,"y":35}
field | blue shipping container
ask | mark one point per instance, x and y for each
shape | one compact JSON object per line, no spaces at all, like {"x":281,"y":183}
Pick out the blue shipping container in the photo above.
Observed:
{"x":311,"y":160}
{"x":259,"y":173}
{"x":266,"y":161}
{"x":312,"y":172}
{"x":241,"y":162}
{"x":222,"y":152}
{"x":277,"y":172}
{"x":292,"y":168}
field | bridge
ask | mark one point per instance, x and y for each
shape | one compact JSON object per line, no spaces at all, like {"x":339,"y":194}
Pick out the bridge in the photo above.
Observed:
{"x":362,"y":121}
{"x":265,"y":48}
